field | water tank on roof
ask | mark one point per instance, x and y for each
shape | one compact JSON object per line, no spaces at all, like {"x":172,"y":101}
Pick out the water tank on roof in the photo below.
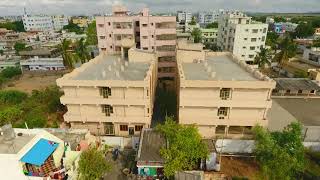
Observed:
{"x":7,"y":132}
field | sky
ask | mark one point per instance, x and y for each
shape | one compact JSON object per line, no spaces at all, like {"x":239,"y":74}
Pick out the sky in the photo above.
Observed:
{"x":89,"y":7}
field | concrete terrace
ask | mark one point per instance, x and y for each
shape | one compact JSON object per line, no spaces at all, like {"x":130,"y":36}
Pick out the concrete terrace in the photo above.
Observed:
{"x":111,"y":67}
{"x":217,"y":68}
{"x":15,"y":145}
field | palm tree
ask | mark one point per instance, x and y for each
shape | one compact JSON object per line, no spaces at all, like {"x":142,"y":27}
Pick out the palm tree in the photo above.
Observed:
{"x":263,"y":58}
{"x":67,"y":55}
{"x":288,"y":50}
{"x":82,"y":51}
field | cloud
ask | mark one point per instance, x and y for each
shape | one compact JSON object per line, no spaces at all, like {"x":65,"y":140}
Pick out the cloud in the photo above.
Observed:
{"x":73,"y":7}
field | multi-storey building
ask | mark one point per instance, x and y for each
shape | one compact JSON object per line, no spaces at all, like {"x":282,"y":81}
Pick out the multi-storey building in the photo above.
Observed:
{"x":184,"y":17}
{"x":221,"y":94}
{"x":59,"y":22}
{"x":111,"y":95}
{"x":238,"y":34}
{"x":144,"y":31}
{"x":81,"y":21}
{"x":205,"y":18}
{"x":209,"y":35}
{"x":37,"y":22}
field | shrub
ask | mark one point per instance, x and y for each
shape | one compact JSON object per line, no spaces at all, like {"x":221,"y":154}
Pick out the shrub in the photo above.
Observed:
{"x":11,"y":72}
{"x":12,"y":97}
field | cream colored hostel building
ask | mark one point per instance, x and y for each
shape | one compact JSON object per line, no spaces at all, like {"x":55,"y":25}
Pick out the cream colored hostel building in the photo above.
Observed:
{"x":110,"y":95}
{"x":220,"y":93}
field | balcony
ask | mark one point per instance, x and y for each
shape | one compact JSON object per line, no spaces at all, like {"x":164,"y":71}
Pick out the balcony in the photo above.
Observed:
{"x":165,"y":31}
{"x":126,"y":42}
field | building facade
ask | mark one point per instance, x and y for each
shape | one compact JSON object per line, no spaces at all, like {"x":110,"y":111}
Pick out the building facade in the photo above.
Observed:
{"x":111,"y":95}
{"x":37,"y":22}
{"x":205,"y":18}
{"x":121,"y":31}
{"x":184,"y":17}
{"x":209,"y":35}
{"x":221,"y":94}
{"x":59,"y":22}
{"x":238,"y":34}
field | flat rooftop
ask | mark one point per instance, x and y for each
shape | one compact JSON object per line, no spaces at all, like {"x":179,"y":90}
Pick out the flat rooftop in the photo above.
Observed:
{"x":109,"y":68}
{"x":223,"y":66}
{"x":152,"y":142}
{"x":304,"y":110}
{"x":15,"y":145}
{"x":296,"y":84}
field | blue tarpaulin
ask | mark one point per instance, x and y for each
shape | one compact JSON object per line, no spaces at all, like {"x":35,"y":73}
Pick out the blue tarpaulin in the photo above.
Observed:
{"x":40,"y":152}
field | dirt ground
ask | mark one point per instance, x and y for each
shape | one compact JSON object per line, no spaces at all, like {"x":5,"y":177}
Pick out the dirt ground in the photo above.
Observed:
{"x":28,"y":82}
{"x":240,"y":167}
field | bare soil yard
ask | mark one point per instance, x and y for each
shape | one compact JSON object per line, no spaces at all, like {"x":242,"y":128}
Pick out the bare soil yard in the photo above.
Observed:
{"x":239,"y":167}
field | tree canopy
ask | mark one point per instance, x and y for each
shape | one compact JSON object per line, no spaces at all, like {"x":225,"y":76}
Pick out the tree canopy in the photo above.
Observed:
{"x":71,"y":27}
{"x":185,"y":147}
{"x":92,"y":164}
{"x":263,"y":58}
{"x":280,"y":154}
{"x":196,"y":35}
{"x":212,"y":25}
{"x":193,"y":21}
{"x":287,"y":50}
{"x":92,"y":34}
{"x":316,"y":43}
{"x":19,"y":46}
{"x":15,"y":26}
{"x":304,"y":30}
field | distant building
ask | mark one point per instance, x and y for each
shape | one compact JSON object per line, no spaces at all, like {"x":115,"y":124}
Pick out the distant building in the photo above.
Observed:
{"x":279,"y":28}
{"x":312,"y":56}
{"x":270,"y":20}
{"x":238,"y":34}
{"x":209,"y":35}
{"x":42,"y":64}
{"x":41,"y":53}
{"x":221,"y":94}
{"x":283,"y":27}
{"x":111,"y":95}
{"x":205,"y":18}
{"x":37,"y":22}
{"x":8,"y":63}
{"x":81,"y":21}
{"x":184,"y":17}
{"x":295,"y":87}
{"x":59,"y":22}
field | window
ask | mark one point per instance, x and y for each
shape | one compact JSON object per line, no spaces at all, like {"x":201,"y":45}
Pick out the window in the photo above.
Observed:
{"x":144,"y":25}
{"x":110,"y":47}
{"x":103,"y":49}
{"x":243,"y":55}
{"x":101,"y":25}
{"x":152,"y":36}
{"x":107,"y":109}
{"x":145,"y":48}
{"x":252,"y":48}
{"x":245,"y":39}
{"x":223,"y":111}
{"x":263,"y":38}
{"x":264,"y":30}
{"x":253,"y":39}
{"x":300,"y":92}
{"x":138,"y":127}
{"x":312,"y":91}
{"x":225,"y":93}
{"x":123,"y":127}
{"x":288,"y":91}
{"x":108,"y":128}
{"x":145,"y":37}
{"x":109,"y":24}
{"x":244,"y":47}
{"x":247,"y":30}
{"x":102,"y":37}
{"x":151,"y":24}
{"x":109,"y":35}
{"x":251,"y":56}
{"x":105,"y":92}
{"x":137,"y":23}
{"x":254,"y":30}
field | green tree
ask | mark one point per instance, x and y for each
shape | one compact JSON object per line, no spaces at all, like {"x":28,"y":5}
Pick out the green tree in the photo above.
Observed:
{"x":10,"y":114}
{"x":185,"y":148}
{"x":316,"y":43}
{"x":36,"y":118}
{"x":1,"y":52}
{"x":301,"y":74}
{"x":196,"y":35}
{"x":10,"y":72}
{"x":12,"y":97}
{"x":263,"y":58}
{"x":193,"y":21}
{"x":82,"y":51}
{"x":279,"y":19}
{"x":272,"y":39}
{"x":304,"y":30}
{"x":71,"y":27}
{"x":211,"y":46}
{"x":288,"y":50}
{"x":212,"y":25}
{"x":19,"y":26}
{"x":280,"y":154}
{"x":67,"y":55}
{"x":92,"y":164}
{"x":92,"y":34}
{"x":15,"y":26}
{"x":19,"y":46}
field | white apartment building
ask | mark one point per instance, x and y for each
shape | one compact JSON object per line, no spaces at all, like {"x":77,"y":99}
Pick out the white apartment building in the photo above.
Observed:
{"x":43,"y":22}
{"x":238,"y":34}
{"x":208,"y":17}
{"x":37,"y":22}
{"x":59,"y":22}
{"x":184,"y":16}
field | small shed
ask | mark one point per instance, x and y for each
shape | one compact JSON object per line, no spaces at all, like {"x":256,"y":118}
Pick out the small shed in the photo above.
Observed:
{"x":295,"y":87}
